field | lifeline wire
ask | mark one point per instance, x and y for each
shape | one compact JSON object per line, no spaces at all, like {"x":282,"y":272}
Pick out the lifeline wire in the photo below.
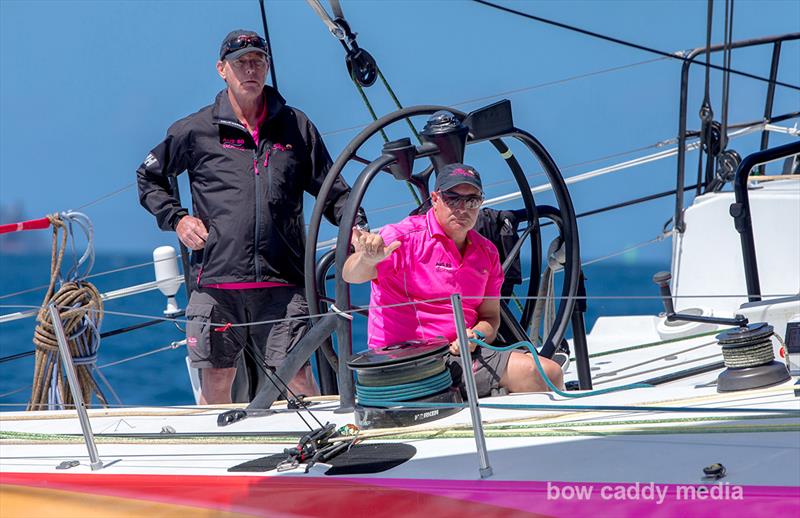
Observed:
{"x":356,"y":310}
{"x":92,"y":276}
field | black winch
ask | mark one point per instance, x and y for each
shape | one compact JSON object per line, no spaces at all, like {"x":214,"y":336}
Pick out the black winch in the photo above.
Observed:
{"x":749,"y":358}
{"x":413,"y":371}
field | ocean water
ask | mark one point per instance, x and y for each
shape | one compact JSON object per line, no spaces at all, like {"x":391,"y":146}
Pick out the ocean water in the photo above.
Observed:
{"x":162,"y":378}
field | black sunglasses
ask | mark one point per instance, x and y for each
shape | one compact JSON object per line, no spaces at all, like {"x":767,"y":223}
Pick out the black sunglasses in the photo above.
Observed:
{"x":456,"y":201}
{"x":243,"y":42}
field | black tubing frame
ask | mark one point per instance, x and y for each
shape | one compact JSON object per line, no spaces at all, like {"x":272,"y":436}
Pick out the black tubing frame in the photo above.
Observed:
{"x":740,"y":211}
{"x":689,"y":59}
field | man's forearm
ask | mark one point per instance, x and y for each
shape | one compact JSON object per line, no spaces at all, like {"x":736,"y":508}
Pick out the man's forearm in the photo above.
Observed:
{"x":357,"y":269}
{"x":488,"y":321}
{"x":487,"y":329}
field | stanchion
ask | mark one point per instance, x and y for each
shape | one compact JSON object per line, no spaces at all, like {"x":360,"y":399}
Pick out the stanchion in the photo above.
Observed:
{"x":75,"y":389}
{"x":484,"y":468}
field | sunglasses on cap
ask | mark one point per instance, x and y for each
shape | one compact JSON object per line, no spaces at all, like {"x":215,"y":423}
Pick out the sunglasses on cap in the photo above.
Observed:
{"x":461,"y":201}
{"x":243,"y":42}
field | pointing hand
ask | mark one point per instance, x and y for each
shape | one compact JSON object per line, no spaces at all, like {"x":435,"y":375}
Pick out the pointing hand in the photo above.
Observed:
{"x":372,"y":246}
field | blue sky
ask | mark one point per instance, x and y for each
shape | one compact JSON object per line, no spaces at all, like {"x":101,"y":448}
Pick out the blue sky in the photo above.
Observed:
{"x":87,"y":88}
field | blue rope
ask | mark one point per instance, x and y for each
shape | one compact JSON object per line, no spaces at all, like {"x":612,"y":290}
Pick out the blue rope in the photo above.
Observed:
{"x":378,"y":396}
{"x":552,"y":387}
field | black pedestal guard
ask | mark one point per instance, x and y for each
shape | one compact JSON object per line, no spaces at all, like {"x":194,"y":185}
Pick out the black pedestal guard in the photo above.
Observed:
{"x":294,"y":360}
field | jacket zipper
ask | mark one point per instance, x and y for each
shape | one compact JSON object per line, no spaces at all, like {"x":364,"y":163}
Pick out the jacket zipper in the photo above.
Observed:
{"x":258,"y":214}
{"x":256,"y":175}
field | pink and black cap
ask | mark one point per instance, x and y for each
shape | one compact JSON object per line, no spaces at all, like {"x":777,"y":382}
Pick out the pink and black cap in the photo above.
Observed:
{"x":457,"y":174}
{"x":240,"y":42}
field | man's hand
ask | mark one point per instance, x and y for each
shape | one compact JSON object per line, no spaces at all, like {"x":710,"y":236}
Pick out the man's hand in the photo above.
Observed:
{"x":373,"y":249}
{"x":454,"y":348}
{"x":192,"y":232}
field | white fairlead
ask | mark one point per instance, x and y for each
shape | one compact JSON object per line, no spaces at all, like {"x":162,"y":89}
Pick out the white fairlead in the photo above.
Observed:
{"x":341,"y":313}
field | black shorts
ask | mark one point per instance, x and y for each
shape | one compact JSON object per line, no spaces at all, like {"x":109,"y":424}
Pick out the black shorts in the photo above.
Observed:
{"x":488,"y":367}
{"x":212,"y":344}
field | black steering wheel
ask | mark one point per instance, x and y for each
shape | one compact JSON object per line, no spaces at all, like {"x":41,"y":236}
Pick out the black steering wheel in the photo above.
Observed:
{"x":569,"y":230}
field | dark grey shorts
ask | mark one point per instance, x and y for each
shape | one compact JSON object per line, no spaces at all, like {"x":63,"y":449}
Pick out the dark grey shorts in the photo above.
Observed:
{"x":212,"y":344}
{"x":488,"y":368}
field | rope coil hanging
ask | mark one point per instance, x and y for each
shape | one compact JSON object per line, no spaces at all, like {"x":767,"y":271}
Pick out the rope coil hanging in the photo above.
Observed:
{"x":80,"y":308}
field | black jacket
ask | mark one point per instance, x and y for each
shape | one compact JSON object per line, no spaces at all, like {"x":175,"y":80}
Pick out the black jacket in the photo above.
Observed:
{"x":249,"y":197}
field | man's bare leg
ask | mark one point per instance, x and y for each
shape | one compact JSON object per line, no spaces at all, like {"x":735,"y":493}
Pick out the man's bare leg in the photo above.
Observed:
{"x":522,"y":375}
{"x":303,"y":382}
{"x":215,"y":386}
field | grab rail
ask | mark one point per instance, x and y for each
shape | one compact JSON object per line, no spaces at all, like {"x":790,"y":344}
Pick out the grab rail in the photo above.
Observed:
{"x":740,"y":211}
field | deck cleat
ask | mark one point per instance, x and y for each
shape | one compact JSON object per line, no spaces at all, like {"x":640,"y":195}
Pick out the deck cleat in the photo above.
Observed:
{"x":715,"y":471}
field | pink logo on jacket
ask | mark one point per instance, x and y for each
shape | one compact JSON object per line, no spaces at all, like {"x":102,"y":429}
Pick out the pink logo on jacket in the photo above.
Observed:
{"x":276,"y":147}
{"x":233,"y":143}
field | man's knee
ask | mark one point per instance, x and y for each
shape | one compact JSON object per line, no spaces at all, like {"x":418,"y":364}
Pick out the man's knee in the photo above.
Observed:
{"x":520,"y":374}
{"x":215,"y":385}
{"x":523,"y":375}
{"x":553,"y":372}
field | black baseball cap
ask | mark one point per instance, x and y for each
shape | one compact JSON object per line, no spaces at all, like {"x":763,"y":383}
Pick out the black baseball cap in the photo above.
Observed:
{"x":240,"y":42}
{"x":457,"y":174}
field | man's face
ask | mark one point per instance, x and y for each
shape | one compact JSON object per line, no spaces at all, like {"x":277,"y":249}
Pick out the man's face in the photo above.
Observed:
{"x":451,"y":208}
{"x":245,"y":75}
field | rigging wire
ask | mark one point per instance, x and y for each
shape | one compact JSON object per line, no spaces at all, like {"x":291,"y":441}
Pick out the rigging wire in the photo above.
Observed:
{"x":405,"y":204}
{"x":558,"y":81}
{"x":726,"y":75}
{"x":362,"y":67}
{"x":657,"y":239}
{"x":675,"y":55}
{"x":706,"y":111}
{"x":92,"y":276}
{"x":172,"y":345}
{"x":658,"y":144}
{"x":106,"y":196}
{"x":255,"y":355}
{"x":438,"y":299}
{"x":517,"y":90}
{"x":272,"y":73}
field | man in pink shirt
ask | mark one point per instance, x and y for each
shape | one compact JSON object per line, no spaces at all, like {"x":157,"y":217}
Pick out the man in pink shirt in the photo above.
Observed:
{"x":429,"y":257}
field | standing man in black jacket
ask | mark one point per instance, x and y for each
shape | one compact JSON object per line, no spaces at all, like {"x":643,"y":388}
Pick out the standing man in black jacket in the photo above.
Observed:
{"x":249,"y":157}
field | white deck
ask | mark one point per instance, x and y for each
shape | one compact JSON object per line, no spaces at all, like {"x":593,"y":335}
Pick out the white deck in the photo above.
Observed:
{"x":563,"y":445}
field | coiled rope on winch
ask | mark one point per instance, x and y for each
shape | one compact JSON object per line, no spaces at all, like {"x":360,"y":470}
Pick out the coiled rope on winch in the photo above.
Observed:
{"x":403,"y":381}
{"x":80,"y":308}
{"x":749,"y":350}
{"x":376,"y":396}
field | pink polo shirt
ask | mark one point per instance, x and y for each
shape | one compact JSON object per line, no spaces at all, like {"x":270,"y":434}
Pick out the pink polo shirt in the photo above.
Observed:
{"x":428,"y":266}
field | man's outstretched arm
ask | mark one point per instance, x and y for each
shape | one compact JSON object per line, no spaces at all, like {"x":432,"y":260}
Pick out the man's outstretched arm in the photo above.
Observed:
{"x":370,"y":250}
